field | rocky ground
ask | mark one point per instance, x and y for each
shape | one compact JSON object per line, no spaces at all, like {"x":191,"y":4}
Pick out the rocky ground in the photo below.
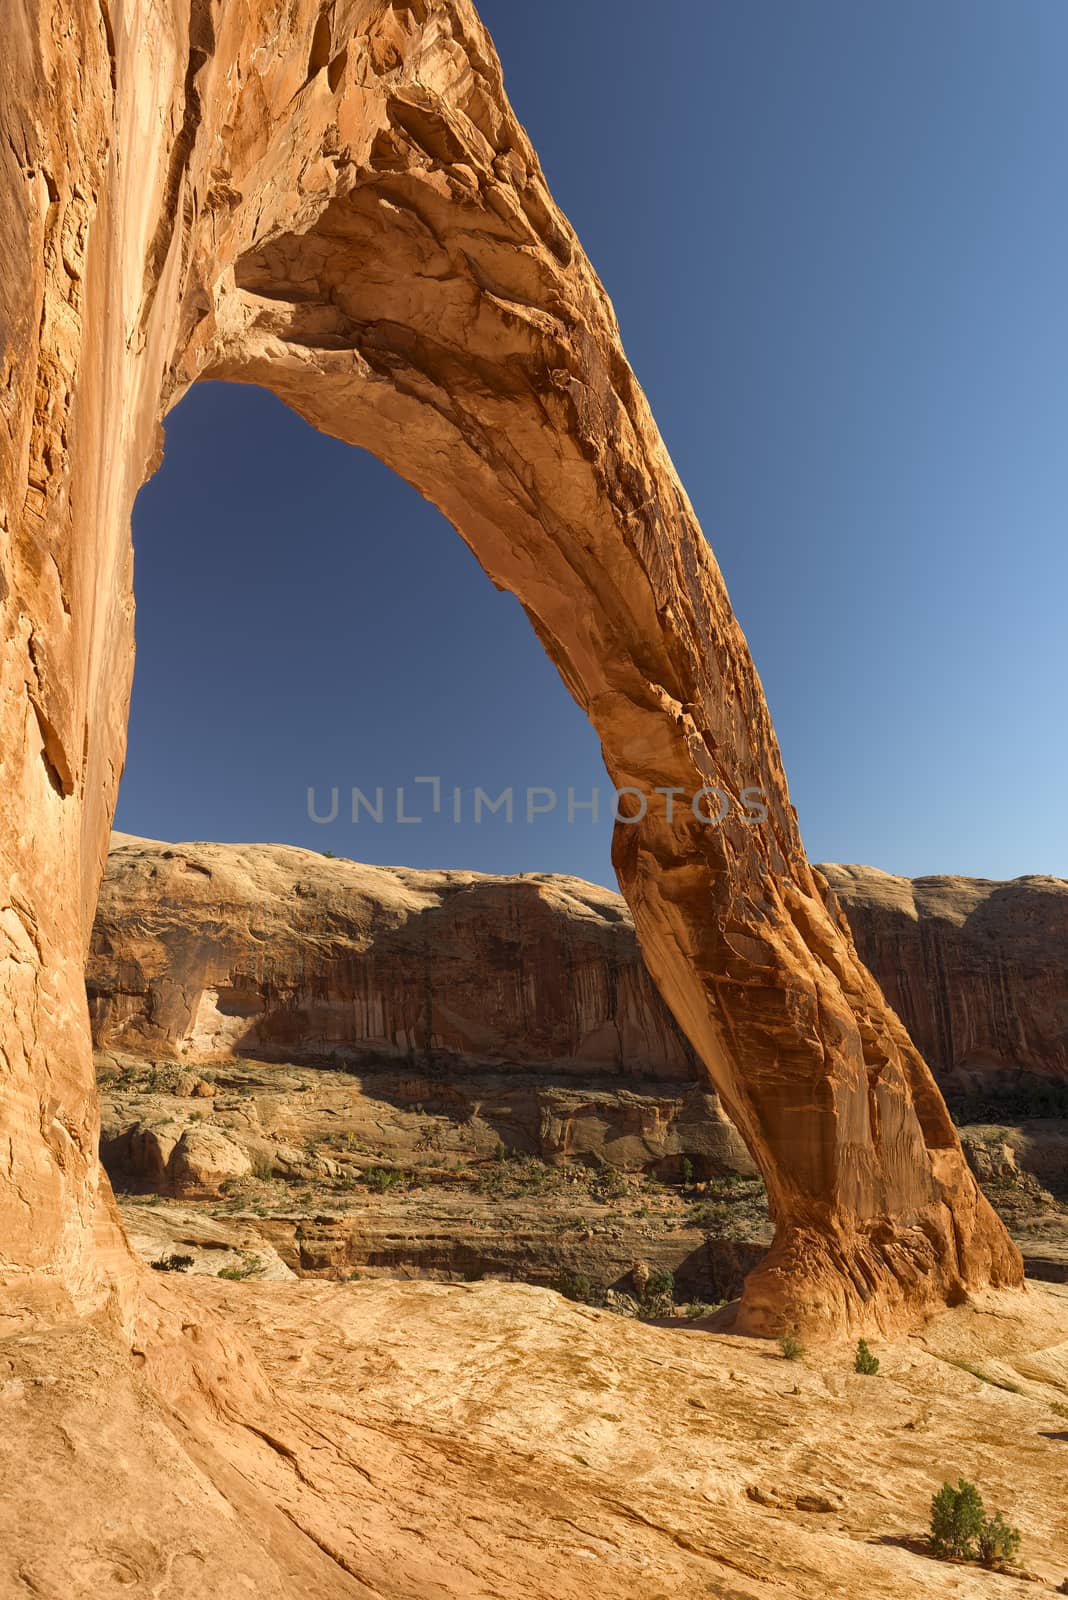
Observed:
{"x":254,"y":1169}
{"x":491,"y":1441}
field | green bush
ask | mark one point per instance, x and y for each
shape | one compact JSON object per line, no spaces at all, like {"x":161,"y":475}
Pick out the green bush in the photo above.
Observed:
{"x":659,"y":1293}
{"x":379,"y":1179}
{"x":251,"y":1267}
{"x":997,"y":1541}
{"x":957,"y":1518}
{"x":865,"y":1362}
{"x":791,"y":1347}
{"x":577,"y":1286}
{"x":172,"y":1263}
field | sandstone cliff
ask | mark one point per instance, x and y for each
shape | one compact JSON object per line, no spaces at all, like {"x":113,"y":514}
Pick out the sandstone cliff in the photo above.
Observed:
{"x":977,"y":970}
{"x":209,"y":949}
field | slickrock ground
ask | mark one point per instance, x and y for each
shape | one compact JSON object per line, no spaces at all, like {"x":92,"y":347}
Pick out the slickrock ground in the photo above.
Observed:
{"x":977,"y":971}
{"x":493,"y":1442}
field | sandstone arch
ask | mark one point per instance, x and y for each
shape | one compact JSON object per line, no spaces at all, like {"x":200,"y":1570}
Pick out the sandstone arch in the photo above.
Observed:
{"x":337,"y":202}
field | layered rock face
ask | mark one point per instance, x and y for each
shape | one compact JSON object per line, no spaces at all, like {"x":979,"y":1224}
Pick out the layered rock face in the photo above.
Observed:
{"x":338,"y":203}
{"x":976,"y":970}
{"x":201,"y":950}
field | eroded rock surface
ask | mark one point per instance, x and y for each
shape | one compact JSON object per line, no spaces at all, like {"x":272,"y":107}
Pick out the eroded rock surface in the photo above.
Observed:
{"x":204,"y":950}
{"x":977,"y":970}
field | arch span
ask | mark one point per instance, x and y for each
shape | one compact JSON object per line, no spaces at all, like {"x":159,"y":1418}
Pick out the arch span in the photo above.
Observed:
{"x":337,"y":202}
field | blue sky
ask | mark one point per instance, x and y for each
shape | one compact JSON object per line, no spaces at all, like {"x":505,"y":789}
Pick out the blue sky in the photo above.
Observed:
{"x":837,"y":242}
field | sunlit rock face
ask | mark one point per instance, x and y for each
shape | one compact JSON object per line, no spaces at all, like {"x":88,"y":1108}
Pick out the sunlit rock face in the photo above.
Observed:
{"x":977,"y":970}
{"x":339,"y":204}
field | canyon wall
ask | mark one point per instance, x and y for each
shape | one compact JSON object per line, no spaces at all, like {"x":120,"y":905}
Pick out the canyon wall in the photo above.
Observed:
{"x":201,"y":950}
{"x":337,"y":202}
{"x":977,"y":970}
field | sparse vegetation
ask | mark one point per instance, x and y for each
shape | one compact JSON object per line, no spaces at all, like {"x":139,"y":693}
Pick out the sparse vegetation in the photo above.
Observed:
{"x":791,"y":1346}
{"x":172,"y":1263}
{"x":658,"y":1295}
{"x":702,"y":1308}
{"x":984,"y":1377}
{"x":577,"y":1286}
{"x":865,"y":1362}
{"x":1029,"y":1097}
{"x":251,"y":1267}
{"x":379,"y":1179}
{"x":961,"y":1529}
{"x":956,"y":1520}
{"x":262,"y":1165}
{"x":997,"y":1541}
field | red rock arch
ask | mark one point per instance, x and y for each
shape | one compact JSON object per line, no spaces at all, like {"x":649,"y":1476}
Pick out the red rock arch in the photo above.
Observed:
{"x":338,"y":203}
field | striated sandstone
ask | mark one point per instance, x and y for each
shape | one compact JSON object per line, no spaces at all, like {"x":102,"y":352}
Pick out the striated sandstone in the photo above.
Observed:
{"x":977,"y":970}
{"x":416,"y":1440}
{"x":202,"y":950}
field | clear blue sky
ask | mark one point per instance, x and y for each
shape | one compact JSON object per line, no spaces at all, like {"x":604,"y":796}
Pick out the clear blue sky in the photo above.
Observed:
{"x":836,"y":236}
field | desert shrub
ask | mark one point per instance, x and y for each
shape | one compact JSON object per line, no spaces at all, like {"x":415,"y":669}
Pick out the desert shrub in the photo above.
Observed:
{"x":997,"y":1541}
{"x":709,"y":1214}
{"x":609,"y":1184}
{"x":865,"y":1362}
{"x":577,"y":1286}
{"x":791,"y":1346}
{"x":661,"y":1285}
{"x":957,"y":1519}
{"x":172,"y":1263}
{"x":379,"y":1179}
{"x":687,"y":1172}
{"x":702,"y":1308}
{"x":251,"y":1267}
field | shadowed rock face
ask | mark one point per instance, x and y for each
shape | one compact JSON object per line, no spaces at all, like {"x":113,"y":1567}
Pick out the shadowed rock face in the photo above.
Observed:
{"x":340,"y":205}
{"x":977,"y":971}
{"x":209,"y":949}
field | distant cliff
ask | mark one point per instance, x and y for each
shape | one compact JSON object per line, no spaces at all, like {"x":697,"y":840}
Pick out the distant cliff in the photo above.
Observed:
{"x":977,"y":970}
{"x":204,"y":950}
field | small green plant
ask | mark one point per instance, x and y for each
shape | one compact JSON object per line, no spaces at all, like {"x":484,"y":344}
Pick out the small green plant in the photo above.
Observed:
{"x":957,"y":1519}
{"x":687,"y":1172}
{"x":791,"y":1346}
{"x":577,"y":1286}
{"x":661,"y":1285}
{"x":708,"y":1215}
{"x":865,"y":1362}
{"x":702,"y":1308}
{"x":172,"y":1263}
{"x":251,"y":1267}
{"x":379,"y":1179}
{"x":997,"y":1541}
